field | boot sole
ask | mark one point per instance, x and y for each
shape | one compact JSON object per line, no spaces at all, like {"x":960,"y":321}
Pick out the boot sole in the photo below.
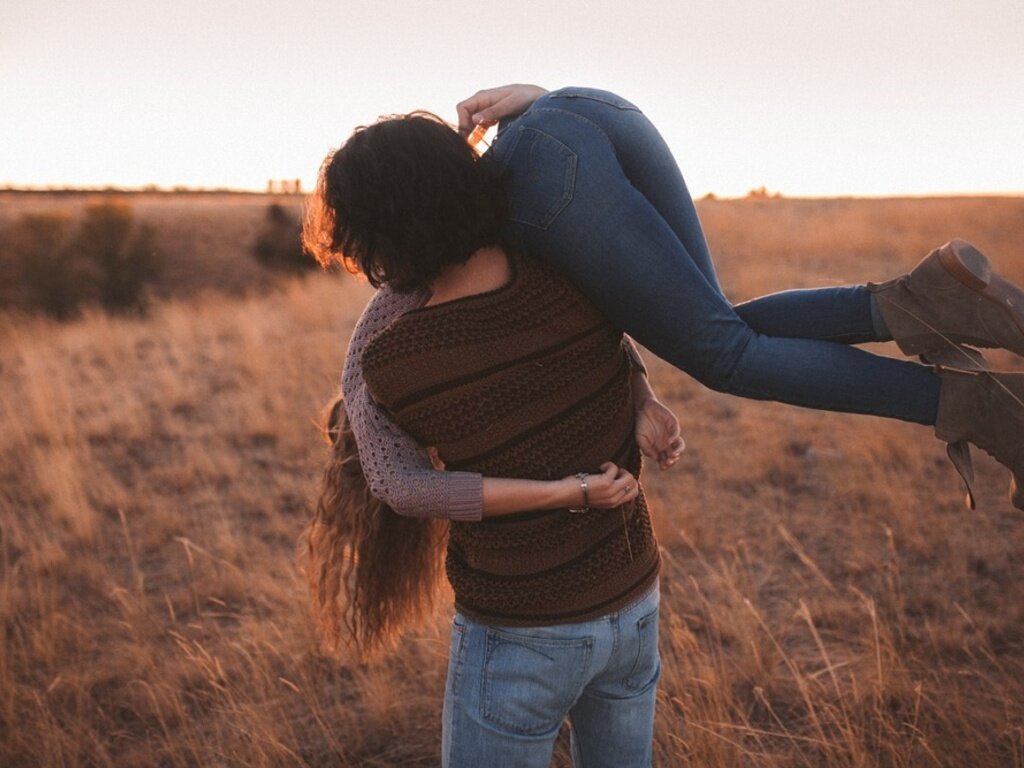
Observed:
{"x":970,"y":267}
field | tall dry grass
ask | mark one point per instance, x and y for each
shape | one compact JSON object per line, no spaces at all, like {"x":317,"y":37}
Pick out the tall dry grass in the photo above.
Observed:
{"x":827,"y":601}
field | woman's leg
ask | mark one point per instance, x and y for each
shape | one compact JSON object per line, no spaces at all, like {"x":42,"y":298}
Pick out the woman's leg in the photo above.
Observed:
{"x":613,"y":720}
{"x":510,"y":688}
{"x":573,"y":202}
{"x":842,"y":314}
{"x":839,"y":314}
{"x":509,"y":691}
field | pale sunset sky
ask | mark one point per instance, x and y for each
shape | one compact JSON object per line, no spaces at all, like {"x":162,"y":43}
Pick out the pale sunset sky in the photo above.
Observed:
{"x":806,"y":97}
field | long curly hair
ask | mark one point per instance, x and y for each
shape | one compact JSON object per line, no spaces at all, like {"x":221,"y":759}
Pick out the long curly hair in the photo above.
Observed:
{"x":371,"y":571}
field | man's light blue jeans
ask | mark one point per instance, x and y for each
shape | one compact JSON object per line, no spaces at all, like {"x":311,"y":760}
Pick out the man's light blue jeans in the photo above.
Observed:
{"x":510,"y":688}
{"x":595,"y":191}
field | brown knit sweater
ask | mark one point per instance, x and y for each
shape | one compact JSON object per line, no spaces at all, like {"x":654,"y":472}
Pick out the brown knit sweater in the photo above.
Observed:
{"x":526,"y":381}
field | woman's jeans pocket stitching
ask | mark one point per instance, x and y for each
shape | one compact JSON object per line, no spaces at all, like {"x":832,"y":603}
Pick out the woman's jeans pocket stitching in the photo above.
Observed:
{"x":529,"y":683}
{"x":647,"y":667}
{"x":545,"y":176}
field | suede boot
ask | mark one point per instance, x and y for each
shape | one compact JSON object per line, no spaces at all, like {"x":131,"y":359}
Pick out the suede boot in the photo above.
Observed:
{"x":986,"y":409}
{"x":952,"y":297}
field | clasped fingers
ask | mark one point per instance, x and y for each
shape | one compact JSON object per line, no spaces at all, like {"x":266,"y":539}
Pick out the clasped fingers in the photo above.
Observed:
{"x":613,"y":487}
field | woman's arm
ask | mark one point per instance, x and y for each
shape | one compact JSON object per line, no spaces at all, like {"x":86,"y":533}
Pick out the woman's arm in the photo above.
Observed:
{"x":408,"y":482}
{"x":612,"y":487}
{"x":400,"y":473}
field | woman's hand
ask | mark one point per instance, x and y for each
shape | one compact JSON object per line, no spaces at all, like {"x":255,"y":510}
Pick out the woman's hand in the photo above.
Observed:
{"x":657,"y":433}
{"x":613,"y":487}
{"x":493,"y":104}
{"x":657,"y":428}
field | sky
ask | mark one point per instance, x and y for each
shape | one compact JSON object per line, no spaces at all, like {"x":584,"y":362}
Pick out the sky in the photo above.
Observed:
{"x":804,"y":97}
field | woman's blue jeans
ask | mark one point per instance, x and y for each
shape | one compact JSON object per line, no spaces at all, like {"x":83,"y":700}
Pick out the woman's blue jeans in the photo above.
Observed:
{"x":510,"y":688}
{"x":594,"y":189}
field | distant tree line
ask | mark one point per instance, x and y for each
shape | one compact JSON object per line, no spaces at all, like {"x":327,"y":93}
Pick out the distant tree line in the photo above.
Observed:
{"x":108,"y":259}
{"x":105,"y":257}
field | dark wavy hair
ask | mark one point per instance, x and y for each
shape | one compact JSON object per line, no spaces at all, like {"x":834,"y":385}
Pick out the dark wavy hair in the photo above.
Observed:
{"x":402,"y":200}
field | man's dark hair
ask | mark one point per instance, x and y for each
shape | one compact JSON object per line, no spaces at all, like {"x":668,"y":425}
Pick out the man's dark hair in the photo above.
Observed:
{"x":402,"y":200}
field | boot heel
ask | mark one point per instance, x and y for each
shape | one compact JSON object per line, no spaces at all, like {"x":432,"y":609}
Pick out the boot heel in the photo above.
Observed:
{"x":969,"y":266}
{"x":966,"y":264}
{"x":960,"y":454}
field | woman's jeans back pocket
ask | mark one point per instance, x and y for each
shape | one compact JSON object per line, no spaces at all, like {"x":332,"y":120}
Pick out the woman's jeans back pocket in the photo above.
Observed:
{"x":647,"y":667}
{"x":542,"y":176}
{"x":530,"y":683}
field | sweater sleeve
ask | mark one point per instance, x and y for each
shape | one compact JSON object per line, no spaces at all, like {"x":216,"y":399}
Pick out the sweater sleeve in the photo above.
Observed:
{"x":398,"y":470}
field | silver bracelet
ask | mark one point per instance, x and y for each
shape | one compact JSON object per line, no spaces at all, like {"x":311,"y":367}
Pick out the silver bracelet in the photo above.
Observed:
{"x":582,"y":477}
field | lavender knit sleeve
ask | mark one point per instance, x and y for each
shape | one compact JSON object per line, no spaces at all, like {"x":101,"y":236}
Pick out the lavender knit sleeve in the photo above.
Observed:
{"x":398,"y":470}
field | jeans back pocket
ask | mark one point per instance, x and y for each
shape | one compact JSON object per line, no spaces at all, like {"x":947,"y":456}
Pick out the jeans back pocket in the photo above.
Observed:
{"x":541,"y":176}
{"x":647,"y":667}
{"x":530,"y":683}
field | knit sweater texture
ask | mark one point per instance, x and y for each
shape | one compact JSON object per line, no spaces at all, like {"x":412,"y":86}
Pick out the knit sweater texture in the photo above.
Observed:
{"x":526,"y":381}
{"x":397,"y":468}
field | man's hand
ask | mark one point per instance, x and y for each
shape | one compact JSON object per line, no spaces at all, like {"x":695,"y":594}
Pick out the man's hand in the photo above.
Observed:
{"x":493,"y":104}
{"x":657,"y":433}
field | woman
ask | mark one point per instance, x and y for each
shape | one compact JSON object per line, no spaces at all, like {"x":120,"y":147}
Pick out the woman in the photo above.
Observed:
{"x":507,"y":371}
{"x":594,"y":188}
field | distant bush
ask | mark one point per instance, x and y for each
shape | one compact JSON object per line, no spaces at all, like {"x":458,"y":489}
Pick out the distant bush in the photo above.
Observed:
{"x":762,"y":193}
{"x":108,"y":259}
{"x":121,"y":253}
{"x":55,"y":281}
{"x":279,"y":244}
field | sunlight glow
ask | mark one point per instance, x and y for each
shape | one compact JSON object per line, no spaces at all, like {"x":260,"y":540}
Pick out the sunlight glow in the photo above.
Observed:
{"x":881,"y":98}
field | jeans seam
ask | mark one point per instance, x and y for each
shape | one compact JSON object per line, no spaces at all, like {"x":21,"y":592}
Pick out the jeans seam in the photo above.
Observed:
{"x":460,"y":665}
{"x":589,"y":122}
{"x":830,"y":337}
{"x":582,"y":93}
{"x":456,"y":691}
{"x":615,"y":624}
{"x":641,"y":625}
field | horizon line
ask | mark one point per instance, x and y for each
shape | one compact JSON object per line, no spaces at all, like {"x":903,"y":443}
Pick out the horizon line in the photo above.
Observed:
{"x":757,"y":193}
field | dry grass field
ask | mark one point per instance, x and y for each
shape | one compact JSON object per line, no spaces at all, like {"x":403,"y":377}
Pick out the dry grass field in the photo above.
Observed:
{"x":827,"y":600}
